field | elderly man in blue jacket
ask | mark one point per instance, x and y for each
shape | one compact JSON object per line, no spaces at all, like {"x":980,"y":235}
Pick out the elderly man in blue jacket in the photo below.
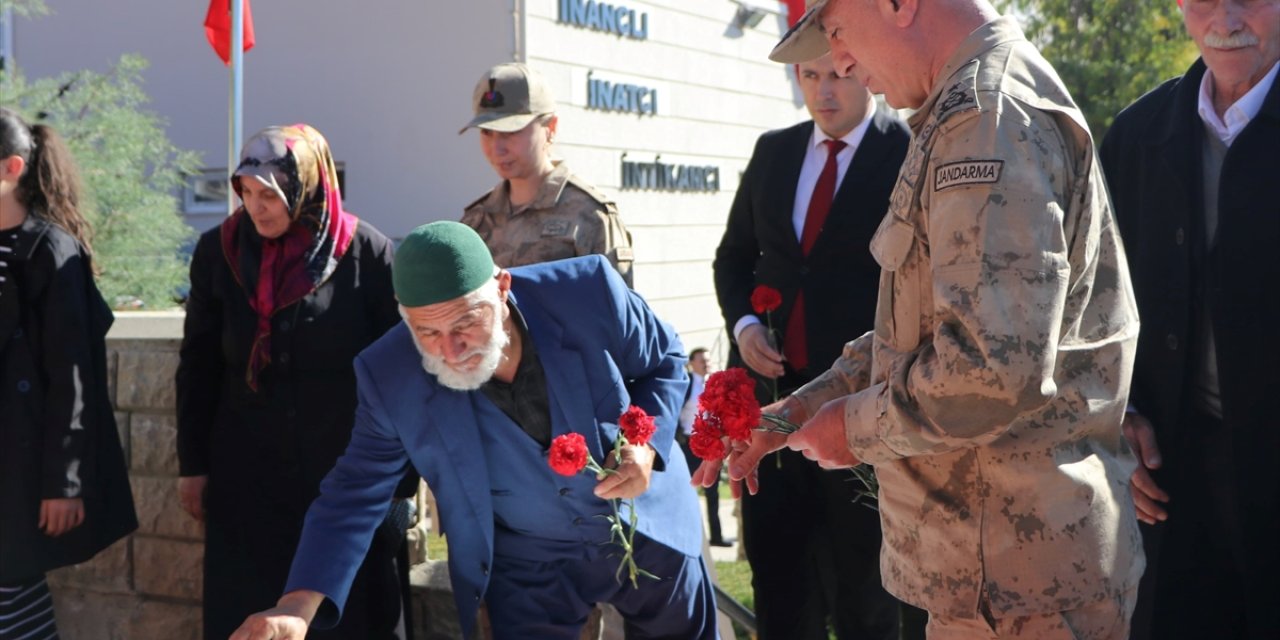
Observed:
{"x":504,"y":362}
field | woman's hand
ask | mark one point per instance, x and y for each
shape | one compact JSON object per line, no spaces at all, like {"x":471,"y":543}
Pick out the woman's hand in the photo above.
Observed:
{"x":60,"y":515}
{"x":191,"y":495}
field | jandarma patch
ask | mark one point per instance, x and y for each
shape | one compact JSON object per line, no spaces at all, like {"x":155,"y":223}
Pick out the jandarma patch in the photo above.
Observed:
{"x":958,"y":174}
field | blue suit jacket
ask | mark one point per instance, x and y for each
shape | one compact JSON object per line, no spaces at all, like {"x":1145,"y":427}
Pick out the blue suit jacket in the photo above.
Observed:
{"x":603,"y":349}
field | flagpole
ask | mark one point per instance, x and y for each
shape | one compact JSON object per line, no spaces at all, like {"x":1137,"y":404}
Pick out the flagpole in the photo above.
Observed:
{"x":236,"y":108}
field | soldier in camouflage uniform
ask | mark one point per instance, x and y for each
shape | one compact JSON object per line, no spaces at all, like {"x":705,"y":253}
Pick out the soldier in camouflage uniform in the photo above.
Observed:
{"x":990,"y":395}
{"x":540,"y":211}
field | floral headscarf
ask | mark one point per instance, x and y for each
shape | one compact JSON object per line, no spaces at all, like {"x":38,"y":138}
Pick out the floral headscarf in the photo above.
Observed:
{"x":295,"y":162}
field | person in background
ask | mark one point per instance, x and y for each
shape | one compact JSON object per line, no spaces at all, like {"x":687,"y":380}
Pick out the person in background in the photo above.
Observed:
{"x":540,"y":211}
{"x":806,"y":209}
{"x":284,"y":294}
{"x":698,"y":369}
{"x":64,"y":486}
{"x":1192,"y":168}
{"x":990,"y":395}
{"x":488,"y":367}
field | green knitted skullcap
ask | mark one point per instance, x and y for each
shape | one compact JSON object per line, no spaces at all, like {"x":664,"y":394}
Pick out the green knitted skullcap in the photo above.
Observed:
{"x":438,"y":262}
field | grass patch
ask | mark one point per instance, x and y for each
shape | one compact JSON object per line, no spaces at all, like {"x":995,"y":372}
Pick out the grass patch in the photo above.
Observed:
{"x":735,"y":579}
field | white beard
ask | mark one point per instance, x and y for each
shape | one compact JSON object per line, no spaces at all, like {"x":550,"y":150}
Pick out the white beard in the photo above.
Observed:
{"x":491,"y":357}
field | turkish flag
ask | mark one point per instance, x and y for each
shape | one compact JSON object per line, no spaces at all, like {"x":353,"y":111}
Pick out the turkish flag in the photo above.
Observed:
{"x":217,"y":28}
{"x":795,"y":11}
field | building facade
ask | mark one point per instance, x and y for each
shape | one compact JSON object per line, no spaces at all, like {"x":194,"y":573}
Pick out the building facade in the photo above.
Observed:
{"x":660,"y":104}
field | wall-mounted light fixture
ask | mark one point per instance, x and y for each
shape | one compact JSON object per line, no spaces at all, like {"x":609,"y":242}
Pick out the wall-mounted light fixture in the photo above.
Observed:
{"x":749,"y":15}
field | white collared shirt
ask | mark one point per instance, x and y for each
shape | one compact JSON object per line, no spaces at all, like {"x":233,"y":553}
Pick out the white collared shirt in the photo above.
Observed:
{"x":815,"y":158}
{"x":1238,"y":115}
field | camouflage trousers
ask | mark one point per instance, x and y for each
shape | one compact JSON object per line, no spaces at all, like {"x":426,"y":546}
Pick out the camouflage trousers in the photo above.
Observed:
{"x":1105,"y":620}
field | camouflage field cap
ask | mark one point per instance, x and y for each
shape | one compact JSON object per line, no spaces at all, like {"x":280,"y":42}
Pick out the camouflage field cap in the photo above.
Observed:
{"x":438,"y":262}
{"x":805,"y":41}
{"x":508,"y":97}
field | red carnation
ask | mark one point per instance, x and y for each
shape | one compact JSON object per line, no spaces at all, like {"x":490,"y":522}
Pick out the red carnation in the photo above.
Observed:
{"x":707,"y":446}
{"x":765,"y":298}
{"x":637,"y":426}
{"x":568,"y":454}
{"x":730,"y":397}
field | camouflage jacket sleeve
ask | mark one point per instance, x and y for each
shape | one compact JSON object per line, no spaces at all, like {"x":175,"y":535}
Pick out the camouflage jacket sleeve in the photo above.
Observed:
{"x":986,"y":279}
{"x":604,"y":233}
{"x":850,"y":373}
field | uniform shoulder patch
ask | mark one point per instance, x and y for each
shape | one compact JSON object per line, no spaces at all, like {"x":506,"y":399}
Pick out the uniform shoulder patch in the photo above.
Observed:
{"x":589,"y":189}
{"x":955,"y":174}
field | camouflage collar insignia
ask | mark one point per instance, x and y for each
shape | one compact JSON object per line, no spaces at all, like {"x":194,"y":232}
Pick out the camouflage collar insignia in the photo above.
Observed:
{"x":961,"y":95}
{"x":956,"y":99}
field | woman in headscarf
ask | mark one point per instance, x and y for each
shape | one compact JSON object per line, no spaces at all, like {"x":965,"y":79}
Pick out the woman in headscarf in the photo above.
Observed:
{"x":284,"y":294}
{"x":64,"y":488}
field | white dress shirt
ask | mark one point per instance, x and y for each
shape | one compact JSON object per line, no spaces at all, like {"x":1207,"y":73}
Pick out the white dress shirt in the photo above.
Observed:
{"x":1238,"y":115}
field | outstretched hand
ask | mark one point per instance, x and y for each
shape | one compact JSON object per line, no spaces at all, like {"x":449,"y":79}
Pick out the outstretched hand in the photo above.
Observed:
{"x":744,"y":457}
{"x":288,"y":620}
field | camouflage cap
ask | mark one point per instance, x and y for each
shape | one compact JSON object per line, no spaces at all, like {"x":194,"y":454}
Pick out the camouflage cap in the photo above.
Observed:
{"x":508,"y":97}
{"x":805,"y":40}
{"x":438,"y":262}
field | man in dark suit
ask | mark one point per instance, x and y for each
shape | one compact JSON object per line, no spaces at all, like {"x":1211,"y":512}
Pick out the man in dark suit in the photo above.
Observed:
{"x":1192,"y":168}
{"x":809,"y":202}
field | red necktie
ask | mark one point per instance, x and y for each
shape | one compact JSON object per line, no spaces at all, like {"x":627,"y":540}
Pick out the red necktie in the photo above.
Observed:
{"x":794,"y":346}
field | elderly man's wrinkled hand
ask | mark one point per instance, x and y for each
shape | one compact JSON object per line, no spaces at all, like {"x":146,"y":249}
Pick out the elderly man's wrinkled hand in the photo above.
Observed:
{"x":631,"y":477}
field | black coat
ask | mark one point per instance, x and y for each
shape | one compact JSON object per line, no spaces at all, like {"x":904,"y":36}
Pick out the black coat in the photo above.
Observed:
{"x":266,"y":452}
{"x":1152,"y":157}
{"x":839,"y":277}
{"x":53,"y":327}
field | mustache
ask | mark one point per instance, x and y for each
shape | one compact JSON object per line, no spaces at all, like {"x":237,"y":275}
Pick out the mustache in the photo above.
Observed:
{"x":1233,"y":41}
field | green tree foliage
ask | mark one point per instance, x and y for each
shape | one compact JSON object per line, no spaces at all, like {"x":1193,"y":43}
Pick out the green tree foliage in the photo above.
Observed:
{"x":131,"y":172}
{"x":25,"y":8}
{"x":1108,"y":52}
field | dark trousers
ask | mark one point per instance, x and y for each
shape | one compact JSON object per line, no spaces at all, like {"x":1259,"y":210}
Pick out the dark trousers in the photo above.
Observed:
{"x":1201,"y":579}
{"x":815,"y":555}
{"x":550,"y":598}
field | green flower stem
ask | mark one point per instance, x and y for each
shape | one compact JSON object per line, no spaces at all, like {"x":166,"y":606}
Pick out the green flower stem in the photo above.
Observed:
{"x":617,"y":532}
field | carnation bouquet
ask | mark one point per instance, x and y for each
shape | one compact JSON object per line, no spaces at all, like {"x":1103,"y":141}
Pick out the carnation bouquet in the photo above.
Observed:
{"x":727,"y":410}
{"x":569,"y":456}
